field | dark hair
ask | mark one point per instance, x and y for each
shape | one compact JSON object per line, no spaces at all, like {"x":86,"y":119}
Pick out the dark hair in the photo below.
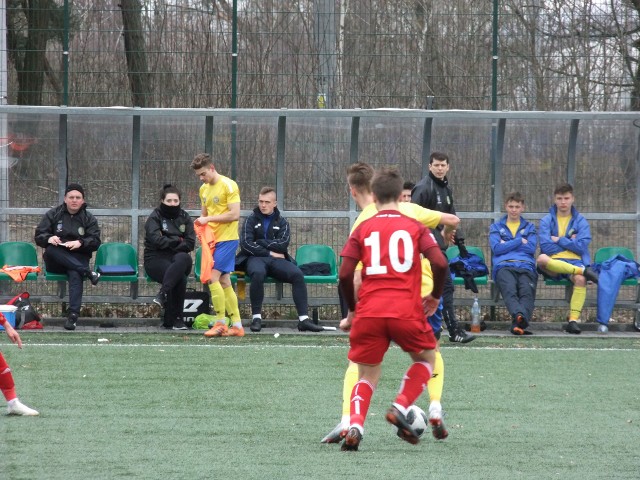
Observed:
{"x":167,"y":188}
{"x":201,"y":160}
{"x":443,"y":157}
{"x":265,"y":190}
{"x":408,"y":185}
{"x":563,"y":188}
{"x":359,"y":176}
{"x":514,"y":197}
{"x":387,"y":184}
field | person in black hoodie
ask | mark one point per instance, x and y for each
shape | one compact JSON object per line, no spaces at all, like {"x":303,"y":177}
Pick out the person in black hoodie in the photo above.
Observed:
{"x":264,"y":240}
{"x":433,"y":192}
{"x":169,"y":238}
{"x":69,"y":235}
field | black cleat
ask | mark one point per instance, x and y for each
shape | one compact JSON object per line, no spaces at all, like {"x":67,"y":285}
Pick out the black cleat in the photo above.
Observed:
{"x":405,"y":431}
{"x":336,"y":435}
{"x":180,"y":325}
{"x":94,"y":277}
{"x":351,"y":440}
{"x":72,"y":319}
{"x":307,"y":325}
{"x":572,"y":327}
{"x":256,"y":325}
{"x":590,"y":275}
{"x":160,"y":299}
{"x":460,"y":336}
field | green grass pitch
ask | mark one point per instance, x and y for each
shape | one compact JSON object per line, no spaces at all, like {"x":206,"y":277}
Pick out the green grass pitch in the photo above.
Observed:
{"x":185,"y":407}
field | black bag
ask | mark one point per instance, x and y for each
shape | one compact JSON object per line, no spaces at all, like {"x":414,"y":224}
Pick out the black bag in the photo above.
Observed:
{"x":195,"y":303}
{"x":25,"y":312}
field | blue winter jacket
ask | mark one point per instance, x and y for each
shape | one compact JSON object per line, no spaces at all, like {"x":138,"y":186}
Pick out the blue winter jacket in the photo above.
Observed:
{"x":578,"y":225}
{"x":612,"y":273}
{"x":512,"y":252}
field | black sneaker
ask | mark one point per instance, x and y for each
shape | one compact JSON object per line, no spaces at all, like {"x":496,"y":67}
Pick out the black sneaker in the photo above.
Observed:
{"x":572,"y":327}
{"x":351,"y":440}
{"x":256,"y":324}
{"x":72,"y":319}
{"x":307,"y":325}
{"x":460,"y":336}
{"x":160,"y":299}
{"x":180,"y":325}
{"x":590,"y":275}
{"x":405,"y":431}
{"x":94,"y":277}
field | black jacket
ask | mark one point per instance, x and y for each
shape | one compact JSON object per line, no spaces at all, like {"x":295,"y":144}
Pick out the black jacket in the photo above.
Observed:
{"x":435,"y":194}
{"x":164,"y":237}
{"x":254,"y":242}
{"x":81,"y":226}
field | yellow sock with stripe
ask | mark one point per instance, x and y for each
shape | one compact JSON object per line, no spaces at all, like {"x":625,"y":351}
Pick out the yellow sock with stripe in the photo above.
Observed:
{"x":217,"y":300}
{"x":231,"y":304}
{"x":350,"y":380}
{"x":436,"y":383}
{"x":558,"y":266}
{"x":577,"y":302}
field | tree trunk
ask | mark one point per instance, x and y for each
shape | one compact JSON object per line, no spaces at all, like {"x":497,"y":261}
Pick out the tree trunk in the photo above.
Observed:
{"x":139,"y":80}
{"x":31,"y":75}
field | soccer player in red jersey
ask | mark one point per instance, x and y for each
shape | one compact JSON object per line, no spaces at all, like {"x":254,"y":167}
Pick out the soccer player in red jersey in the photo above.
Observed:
{"x":389,"y":304}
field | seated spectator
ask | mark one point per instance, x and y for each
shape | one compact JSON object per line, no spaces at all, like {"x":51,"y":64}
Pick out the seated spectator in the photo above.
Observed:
{"x":69,"y":235}
{"x":406,"y":191}
{"x":565,"y":236}
{"x":264,"y":240}
{"x":513,"y":242}
{"x":169,"y":237}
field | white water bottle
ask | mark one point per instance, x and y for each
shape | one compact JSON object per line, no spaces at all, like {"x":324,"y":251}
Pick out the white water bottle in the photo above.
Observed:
{"x":475,"y":316}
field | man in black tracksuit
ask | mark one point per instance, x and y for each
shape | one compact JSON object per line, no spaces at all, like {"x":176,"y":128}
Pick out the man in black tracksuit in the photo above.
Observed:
{"x":433,"y":192}
{"x":264,"y":241}
{"x":69,"y":235}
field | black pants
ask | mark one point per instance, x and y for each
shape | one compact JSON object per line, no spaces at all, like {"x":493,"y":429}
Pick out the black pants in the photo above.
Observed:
{"x":173,"y":273}
{"x":259,"y":268}
{"x":58,"y":259}
{"x":518,"y":289}
{"x":448,"y":312}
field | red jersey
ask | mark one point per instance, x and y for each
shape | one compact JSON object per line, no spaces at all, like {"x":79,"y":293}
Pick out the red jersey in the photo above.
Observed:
{"x":389,"y":245}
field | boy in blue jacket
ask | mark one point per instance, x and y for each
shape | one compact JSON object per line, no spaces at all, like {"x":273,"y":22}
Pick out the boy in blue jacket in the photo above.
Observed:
{"x":565,"y":236}
{"x":513,"y":242}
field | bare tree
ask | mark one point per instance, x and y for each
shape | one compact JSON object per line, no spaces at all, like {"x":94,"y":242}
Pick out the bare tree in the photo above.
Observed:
{"x":139,"y":79}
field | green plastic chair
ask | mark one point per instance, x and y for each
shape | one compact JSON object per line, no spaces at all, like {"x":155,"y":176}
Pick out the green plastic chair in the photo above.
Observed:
{"x":605,"y":253}
{"x":318,"y":253}
{"x":18,"y":254}
{"x":453,"y":251}
{"x":115,"y":253}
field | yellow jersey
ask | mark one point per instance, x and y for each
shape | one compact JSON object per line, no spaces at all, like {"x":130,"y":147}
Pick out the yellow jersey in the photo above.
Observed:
{"x":216,"y":199}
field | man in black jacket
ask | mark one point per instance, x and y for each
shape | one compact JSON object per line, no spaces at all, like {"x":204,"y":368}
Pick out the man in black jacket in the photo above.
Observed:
{"x":433,"y":192}
{"x":69,"y":235}
{"x":264,"y":240}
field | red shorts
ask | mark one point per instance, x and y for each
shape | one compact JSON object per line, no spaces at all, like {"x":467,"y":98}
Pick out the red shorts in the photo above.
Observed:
{"x":370,"y":337}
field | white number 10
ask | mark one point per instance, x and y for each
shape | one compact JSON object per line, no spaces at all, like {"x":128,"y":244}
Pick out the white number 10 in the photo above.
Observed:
{"x":373,"y":242}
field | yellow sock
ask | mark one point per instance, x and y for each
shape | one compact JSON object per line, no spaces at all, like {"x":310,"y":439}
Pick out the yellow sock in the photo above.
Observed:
{"x":217,"y":299}
{"x":577,"y":302}
{"x":350,"y":380}
{"x":436,"y":383}
{"x":231,"y":304}
{"x":558,"y":266}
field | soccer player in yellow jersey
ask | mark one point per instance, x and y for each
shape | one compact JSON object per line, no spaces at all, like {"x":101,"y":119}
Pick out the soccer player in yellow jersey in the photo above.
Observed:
{"x":220,"y":200}
{"x":359,"y":176}
{"x":564,"y":237}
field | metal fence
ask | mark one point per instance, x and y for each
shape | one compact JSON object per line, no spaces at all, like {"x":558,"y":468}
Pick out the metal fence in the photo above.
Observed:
{"x":501,"y":54}
{"x":122,"y":157}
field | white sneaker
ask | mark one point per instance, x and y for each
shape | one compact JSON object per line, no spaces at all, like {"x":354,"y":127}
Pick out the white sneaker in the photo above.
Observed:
{"x":603,"y":328}
{"x":18,"y":408}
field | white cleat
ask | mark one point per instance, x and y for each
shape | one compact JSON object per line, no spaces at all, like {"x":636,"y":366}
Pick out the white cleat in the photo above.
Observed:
{"x":336,"y":435}
{"x":438,"y":429}
{"x":17,"y":408}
